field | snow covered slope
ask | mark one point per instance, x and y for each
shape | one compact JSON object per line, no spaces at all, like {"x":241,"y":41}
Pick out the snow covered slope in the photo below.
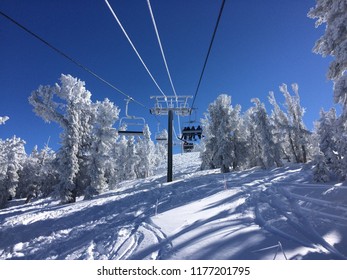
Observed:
{"x":253,"y":214}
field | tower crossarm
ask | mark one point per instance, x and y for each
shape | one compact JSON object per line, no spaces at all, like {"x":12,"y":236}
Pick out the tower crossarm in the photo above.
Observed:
{"x":177,"y":104}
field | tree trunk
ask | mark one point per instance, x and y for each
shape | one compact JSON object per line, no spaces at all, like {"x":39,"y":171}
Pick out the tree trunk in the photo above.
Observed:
{"x":304,"y":154}
{"x":293,"y":148}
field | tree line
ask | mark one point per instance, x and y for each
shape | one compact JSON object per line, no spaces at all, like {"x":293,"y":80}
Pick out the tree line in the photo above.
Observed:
{"x":235,"y":141}
{"x":92,"y":157}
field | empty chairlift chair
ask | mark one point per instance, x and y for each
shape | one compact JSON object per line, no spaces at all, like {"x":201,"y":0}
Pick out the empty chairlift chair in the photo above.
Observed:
{"x":161,"y":136}
{"x":131,"y":125}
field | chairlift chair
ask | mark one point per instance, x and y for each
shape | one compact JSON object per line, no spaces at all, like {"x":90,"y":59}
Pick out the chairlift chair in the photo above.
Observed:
{"x":129,"y":125}
{"x":190,"y":133}
{"x":160,"y":136}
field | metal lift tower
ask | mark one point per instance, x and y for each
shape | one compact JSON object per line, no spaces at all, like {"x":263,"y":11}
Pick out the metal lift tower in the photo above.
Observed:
{"x":168,"y":105}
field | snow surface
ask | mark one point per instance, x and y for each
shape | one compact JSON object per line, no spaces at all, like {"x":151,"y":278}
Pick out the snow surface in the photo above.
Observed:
{"x":253,"y":214}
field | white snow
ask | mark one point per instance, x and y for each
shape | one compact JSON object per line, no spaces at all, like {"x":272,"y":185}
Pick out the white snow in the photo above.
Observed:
{"x":254,"y":214}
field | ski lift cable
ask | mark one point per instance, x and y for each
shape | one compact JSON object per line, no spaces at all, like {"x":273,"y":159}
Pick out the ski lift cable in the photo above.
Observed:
{"x":163,"y":56}
{"x":71,"y":59}
{"x":161,"y":47}
{"x":134,"y":48}
{"x":208,"y":52}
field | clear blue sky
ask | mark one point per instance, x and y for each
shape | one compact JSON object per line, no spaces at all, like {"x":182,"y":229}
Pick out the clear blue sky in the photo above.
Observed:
{"x":259,"y":45}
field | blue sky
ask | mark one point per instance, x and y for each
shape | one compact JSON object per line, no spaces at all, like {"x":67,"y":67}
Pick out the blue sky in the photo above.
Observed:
{"x":259,"y":45}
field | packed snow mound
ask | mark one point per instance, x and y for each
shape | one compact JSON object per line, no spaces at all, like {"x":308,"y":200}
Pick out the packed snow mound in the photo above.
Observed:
{"x":253,"y":214}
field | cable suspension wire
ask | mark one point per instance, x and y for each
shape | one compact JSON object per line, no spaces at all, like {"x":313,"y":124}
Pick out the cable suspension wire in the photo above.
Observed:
{"x":134,"y":48}
{"x":161,"y":47}
{"x":71,"y":59}
{"x":163,"y":56}
{"x":208,"y":53}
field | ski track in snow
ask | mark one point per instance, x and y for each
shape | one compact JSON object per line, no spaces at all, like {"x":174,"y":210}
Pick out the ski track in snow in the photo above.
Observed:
{"x":201,"y":215}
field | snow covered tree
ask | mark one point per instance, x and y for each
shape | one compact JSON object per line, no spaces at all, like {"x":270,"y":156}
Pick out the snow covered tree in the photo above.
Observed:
{"x":12,"y":157}
{"x":219,"y":126}
{"x":48,"y":175}
{"x":265,"y":149}
{"x":239,"y":140}
{"x":321,"y":169}
{"x":28,"y":176}
{"x":16,"y":156}
{"x":131,"y":159}
{"x":104,"y":138}
{"x":161,"y":148}
{"x":38,"y":176}
{"x":334,"y":42}
{"x":73,"y":113}
{"x":326,"y":158}
{"x":3,"y":191}
{"x":327,"y":137}
{"x":290,"y":130}
{"x":339,"y":156}
{"x":146,"y":151}
{"x":252,"y":144}
{"x":281,"y":131}
{"x":119,"y":150}
{"x":300,"y":136}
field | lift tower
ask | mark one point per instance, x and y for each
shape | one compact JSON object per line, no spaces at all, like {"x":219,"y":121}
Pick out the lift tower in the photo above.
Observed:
{"x":168,"y":105}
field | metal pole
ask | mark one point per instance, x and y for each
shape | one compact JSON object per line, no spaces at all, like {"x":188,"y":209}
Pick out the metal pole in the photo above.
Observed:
{"x":169,"y":147}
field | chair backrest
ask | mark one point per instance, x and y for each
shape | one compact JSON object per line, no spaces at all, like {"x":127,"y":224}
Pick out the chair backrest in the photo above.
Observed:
{"x":131,"y":126}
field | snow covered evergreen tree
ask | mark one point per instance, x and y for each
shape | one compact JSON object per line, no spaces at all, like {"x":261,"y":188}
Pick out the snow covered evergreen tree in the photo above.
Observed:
{"x":326,"y":158}
{"x":104,"y":138}
{"x":47,"y":172}
{"x":239,"y":140}
{"x":146,"y":151}
{"x":12,"y":157}
{"x":161,"y":148}
{"x":267,"y":151}
{"x":327,"y":135}
{"x":321,"y":170}
{"x":73,"y":113}
{"x":300,"y":136}
{"x":290,"y":130}
{"x":38,"y":175}
{"x":120,"y":150}
{"x":252,"y":143}
{"x":131,"y":159}
{"x":281,"y":131}
{"x":28,"y":176}
{"x":219,"y":126}
{"x":334,"y":43}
